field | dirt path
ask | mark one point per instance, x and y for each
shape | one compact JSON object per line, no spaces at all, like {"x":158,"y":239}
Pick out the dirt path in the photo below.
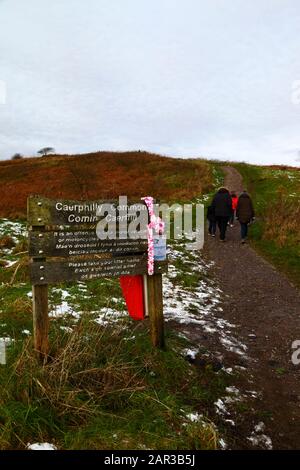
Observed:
{"x":265,"y":307}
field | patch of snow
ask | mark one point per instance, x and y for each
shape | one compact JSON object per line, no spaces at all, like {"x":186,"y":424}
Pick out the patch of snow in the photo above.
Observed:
{"x":222,"y":444}
{"x":68,"y":329}
{"x":63,"y":309}
{"x":230,"y":421}
{"x":109,"y":315}
{"x":192,"y":353}
{"x":232,"y":390}
{"x":10,"y":263}
{"x":41,"y":446}
{"x":194,"y":417}
{"x":199,"y":305}
{"x":253,"y":393}
{"x":260,"y":427}
{"x":259,"y":439}
{"x":233,"y":345}
{"x":63,"y":293}
{"x":7,"y":340}
{"x":220,"y":407}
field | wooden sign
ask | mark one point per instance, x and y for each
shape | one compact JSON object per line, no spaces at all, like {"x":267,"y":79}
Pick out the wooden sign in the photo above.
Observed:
{"x":64,"y":245}
{"x":47,"y":212}
{"x":80,"y":242}
{"x":53,"y":272}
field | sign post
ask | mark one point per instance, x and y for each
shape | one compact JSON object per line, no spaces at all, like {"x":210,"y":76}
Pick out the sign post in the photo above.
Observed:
{"x":155,"y":309}
{"x":64,"y":246}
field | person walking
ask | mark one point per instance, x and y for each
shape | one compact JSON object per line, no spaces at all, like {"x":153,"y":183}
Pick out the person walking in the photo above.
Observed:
{"x":234,"y":200}
{"x":222,"y":206}
{"x":212,"y":221}
{"x":245,"y":213}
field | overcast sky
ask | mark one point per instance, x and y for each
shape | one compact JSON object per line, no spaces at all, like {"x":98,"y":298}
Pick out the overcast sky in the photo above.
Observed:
{"x":209,"y":78}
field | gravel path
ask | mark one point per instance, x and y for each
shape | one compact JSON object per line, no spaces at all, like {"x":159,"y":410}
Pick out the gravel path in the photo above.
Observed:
{"x":265,"y":307}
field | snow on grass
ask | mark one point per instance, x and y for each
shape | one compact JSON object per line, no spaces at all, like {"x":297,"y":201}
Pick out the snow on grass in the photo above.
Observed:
{"x":62,"y":310}
{"x":233,"y":345}
{"x":194,"y":417}
{"x":180,"y":303}
{"x":64,"y":294}
{"x":260,"y":427}
{"x":14,"y":229}
{"x":199,"y":305}
{"x":7,"y":340}
{"x":259,"y":439}
{"x":220,"y":407}
{"x":10,"y":263}
{"x":233,"y":390}
{"x":107,"y":316}
{"x":41,"y":446}
{"x":222,"y":444}
{"x":67,"y":329}
{"x":190,"y":353}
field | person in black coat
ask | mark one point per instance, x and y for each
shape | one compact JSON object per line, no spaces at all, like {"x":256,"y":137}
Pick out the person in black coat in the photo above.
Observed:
{"x":212,"y":221}
{"x":222,"y":206}
{"x":245,"y":213}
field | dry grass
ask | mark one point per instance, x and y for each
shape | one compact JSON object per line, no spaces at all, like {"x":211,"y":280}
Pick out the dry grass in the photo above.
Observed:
{"x":96,"y":385}
{"x":101,"y":175}
{"x":75,"y":381}
{"x":282,"y":220}
{"x":21,"y":247}
{"x":6,"y":242}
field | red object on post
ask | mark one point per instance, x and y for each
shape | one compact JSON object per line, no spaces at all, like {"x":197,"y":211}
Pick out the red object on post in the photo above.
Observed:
{"x":133,"y":291}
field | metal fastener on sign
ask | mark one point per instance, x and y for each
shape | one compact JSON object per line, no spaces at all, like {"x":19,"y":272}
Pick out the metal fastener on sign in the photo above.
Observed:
{"x":42,"y":267}
{"x":41,"y":252}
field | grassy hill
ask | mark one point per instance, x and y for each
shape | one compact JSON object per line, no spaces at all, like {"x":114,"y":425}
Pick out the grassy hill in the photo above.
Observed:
{"x":100,"y":175}
{"x":276,"y":234}
{"x":104,"y":386}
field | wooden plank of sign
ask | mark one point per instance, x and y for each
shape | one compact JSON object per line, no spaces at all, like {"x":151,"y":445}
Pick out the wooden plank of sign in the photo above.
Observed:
{"x":40,"y":320}
{"x":47,"y":212}
{"x":79,"y":269}
{"x":76,"y":242}
{"x":155,"y":309}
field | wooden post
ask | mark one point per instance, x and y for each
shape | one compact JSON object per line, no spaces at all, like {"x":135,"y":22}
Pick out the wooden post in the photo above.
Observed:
{"x":39,"y":291}
{"x":155,"y":308}
{"x":40,"y":320}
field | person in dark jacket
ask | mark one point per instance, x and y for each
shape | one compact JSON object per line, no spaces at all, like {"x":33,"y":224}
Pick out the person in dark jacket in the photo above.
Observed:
{"x":245,"y":213}
{"x":212,"y":221}
{"x":222,"y":205}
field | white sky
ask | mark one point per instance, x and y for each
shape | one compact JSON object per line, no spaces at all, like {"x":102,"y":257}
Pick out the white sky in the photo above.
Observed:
{"x":209,"y":78}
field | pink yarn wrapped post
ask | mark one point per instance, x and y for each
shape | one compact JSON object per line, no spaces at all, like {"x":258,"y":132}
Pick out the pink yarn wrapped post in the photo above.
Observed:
{"x":155,"y":224}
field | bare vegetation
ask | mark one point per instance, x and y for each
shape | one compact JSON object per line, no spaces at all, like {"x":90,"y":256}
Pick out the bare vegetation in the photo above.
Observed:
{"x":101,"y":175}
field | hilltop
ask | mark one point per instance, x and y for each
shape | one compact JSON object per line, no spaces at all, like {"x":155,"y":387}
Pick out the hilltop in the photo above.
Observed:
{"x":101,"y":175}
